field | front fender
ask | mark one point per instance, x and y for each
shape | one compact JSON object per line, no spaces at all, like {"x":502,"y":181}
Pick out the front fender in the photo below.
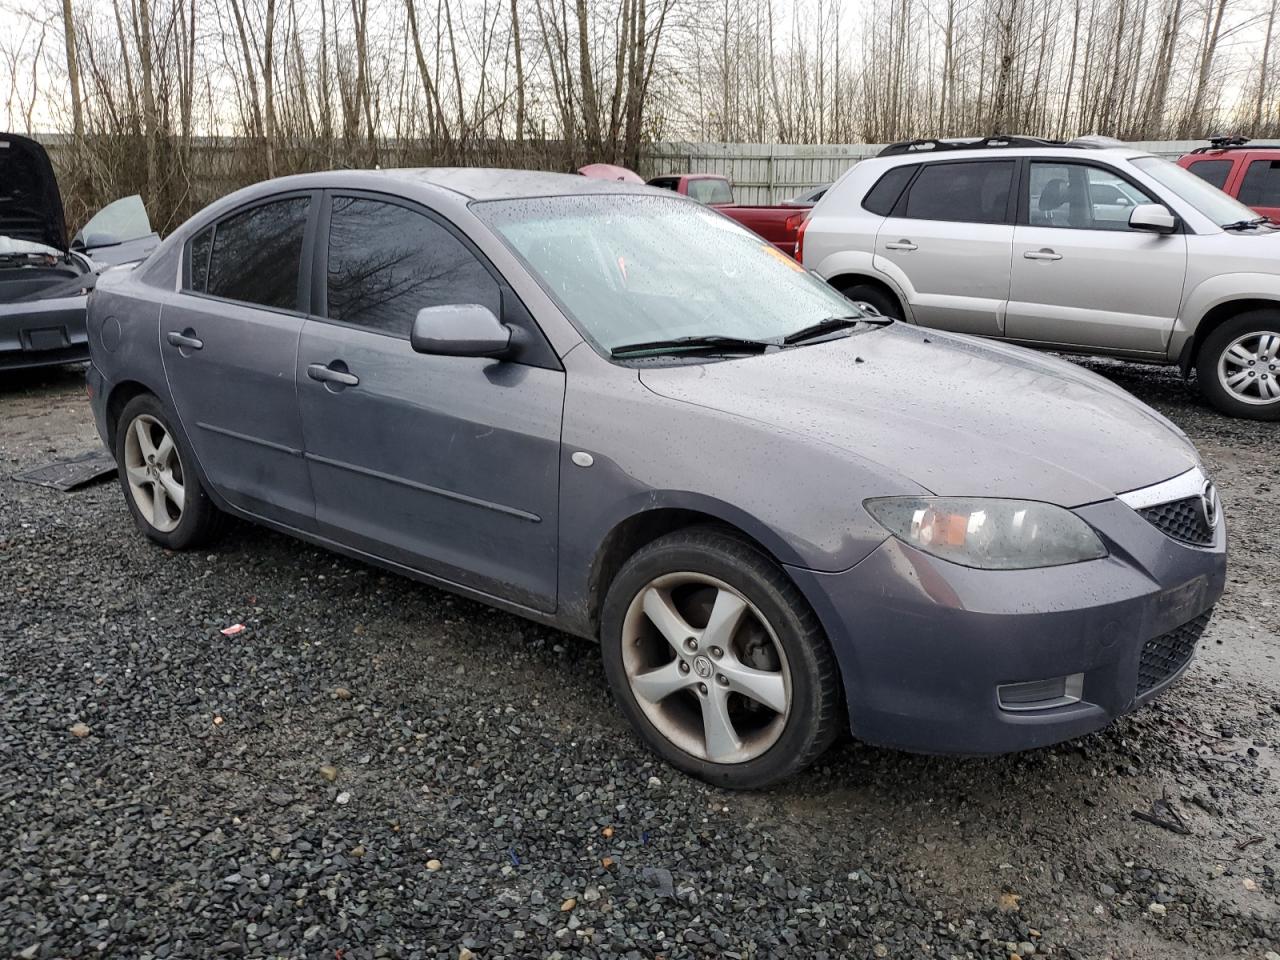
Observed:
{"x":1214,"y":292}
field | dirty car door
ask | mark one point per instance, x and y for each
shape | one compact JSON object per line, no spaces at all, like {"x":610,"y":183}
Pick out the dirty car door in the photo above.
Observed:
{"x":229,"y":340}
{"x":448,"y":465}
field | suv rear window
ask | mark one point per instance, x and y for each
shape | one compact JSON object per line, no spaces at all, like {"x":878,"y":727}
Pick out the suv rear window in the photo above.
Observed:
{"x":1212,"y":171}
{"x":1261,"y":184}
{"x":882,"y":197}
{"x":974,"y":191}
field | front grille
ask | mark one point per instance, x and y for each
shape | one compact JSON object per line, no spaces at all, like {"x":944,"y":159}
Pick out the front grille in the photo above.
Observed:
{"x":1165,"y":655}
{"x":1181,"y":519}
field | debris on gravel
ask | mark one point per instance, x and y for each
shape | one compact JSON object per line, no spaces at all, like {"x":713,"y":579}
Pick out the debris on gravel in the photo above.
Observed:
{"x":402,"y":773}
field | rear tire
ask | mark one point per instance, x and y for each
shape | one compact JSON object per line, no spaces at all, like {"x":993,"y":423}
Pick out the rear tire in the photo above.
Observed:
{"x":1238,"y":366}
{"x":716,"y":659}
{"x":158,"y":477}
{"x":886,"y":304}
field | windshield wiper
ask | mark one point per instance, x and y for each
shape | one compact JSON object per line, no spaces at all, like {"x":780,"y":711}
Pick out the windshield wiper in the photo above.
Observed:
{"x":1244,"y":224}
{"x":832,"y":324}
{"x":703,"y":344}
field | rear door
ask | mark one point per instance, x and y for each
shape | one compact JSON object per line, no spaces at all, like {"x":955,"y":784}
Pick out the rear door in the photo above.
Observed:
{"x":230,"y":345}
{"x":1081,"y":276}
{"x":948,"y":243}
{"x":448,"y":465}
{"x":1260,"y":187}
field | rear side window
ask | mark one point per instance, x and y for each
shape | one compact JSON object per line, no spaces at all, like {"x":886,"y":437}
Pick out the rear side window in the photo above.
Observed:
{"x":710,"y":191}
{"x":971,"y":192}
{"x":387,"y":262}
{"x":1212,"y":171}
{"x":884,"y":195}
{"x":257,"y":255}
{"x":198,"y":260}
{"x":1261,"y":184}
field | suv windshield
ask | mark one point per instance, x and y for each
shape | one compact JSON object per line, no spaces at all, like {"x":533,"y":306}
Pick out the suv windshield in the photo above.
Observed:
{"x":1205,"y":197}
{"x":632,"y":269}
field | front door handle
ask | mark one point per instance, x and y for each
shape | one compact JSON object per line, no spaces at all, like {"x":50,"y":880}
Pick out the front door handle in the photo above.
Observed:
{"x":187,"y":340}
{"x":903,"y":244}
{"x":1042,"y":254}
{"x":327,"y":374}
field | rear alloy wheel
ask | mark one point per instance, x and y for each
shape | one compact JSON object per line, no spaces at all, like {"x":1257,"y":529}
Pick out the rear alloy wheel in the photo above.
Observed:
{"x":716,"y":659}
{"x":162,"y":490}
{"x":1239,"y":366}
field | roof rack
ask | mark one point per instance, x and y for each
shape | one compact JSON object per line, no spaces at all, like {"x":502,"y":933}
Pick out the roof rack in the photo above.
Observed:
{"x":988,"y":143}
{"x":1222,"y":143}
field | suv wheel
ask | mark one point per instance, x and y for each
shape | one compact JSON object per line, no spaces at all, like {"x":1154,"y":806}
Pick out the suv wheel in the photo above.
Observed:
{"x":867,"y":293}
{"x":718,"y":662}
{"x":162,"y":490}
{"x":1238,"y":366}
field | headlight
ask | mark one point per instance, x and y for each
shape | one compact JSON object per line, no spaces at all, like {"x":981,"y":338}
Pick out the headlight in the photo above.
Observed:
{"x":989,"y":534}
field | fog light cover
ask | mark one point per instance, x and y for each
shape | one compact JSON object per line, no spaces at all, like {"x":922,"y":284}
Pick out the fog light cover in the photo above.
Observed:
{"x":1041,"y":694}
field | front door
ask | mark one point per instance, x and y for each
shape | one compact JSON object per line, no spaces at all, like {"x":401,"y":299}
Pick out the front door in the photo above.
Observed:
{"x":448,"y":465}
{"x":229,"y":339}
{"x":948,"y":243}
{"x":1081,"y":275}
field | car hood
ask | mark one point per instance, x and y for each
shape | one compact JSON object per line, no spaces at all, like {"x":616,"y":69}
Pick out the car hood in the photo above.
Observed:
{"x":954,"y":414}
{"x":30,"y":202}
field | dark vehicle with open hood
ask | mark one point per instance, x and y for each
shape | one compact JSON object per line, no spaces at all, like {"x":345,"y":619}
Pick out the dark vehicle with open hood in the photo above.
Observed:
{"x":44,"y":280}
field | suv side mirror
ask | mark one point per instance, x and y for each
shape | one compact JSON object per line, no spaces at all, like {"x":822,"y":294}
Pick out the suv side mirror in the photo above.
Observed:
{"x":1153,"y":217}
{"x":460,"y":330}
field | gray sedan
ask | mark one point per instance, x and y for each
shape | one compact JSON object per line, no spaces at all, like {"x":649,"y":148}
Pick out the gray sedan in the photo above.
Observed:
{"x":611,"y":410}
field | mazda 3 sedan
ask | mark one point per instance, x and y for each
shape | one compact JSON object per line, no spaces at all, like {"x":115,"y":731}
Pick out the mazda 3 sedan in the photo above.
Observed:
{"x":611,"y":410}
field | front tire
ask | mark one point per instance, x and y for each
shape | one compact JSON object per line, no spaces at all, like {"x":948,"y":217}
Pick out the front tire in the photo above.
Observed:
{"x":718,"y":662}
{"x":1238,"y":366}
{"x":157,"y":475}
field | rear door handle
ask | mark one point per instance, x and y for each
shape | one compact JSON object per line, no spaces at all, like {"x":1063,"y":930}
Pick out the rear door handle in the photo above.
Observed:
{"x":900,"y":245}
{"x":1042,"y":254}
{"x":326,"y":374}
{"x":187,"y":340}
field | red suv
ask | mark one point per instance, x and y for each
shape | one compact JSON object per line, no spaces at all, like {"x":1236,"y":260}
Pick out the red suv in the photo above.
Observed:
{"x":1250,"y":174}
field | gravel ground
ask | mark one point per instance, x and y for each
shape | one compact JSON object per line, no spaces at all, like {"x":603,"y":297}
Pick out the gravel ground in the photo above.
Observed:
{"x":375,"y":768}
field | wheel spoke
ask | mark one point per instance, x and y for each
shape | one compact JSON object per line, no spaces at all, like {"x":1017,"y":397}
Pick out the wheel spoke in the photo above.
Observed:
{"x":142,"y":430}
{"x":663,"y":614}
{"x":658,"y":684}
{"x":717,"y":728}
{"x":762,"y":686}
{"x":1237,"y":379}
{"x":1269,"y":388}
{"x":726,"y":614}
{"x":1268,"y":345}
{"x":138,"y":475}
{"x":172,"y":488}
{"x":1239,"y":354}
{"x":159,"y":507}
{"x":164,"y":449}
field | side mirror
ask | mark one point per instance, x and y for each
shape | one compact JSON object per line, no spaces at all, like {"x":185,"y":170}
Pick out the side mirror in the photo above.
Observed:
{"x":460,"y":330}
{"x":1153,"y":217}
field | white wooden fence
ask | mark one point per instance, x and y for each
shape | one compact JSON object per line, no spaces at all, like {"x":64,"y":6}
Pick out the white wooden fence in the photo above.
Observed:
{"x":771,"y":173}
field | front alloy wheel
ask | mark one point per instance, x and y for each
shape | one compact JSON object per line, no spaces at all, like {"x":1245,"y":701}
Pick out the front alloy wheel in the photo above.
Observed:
{"x":706,"y":668}
{"x":1238,"y":365}
{"x":717,"y":660}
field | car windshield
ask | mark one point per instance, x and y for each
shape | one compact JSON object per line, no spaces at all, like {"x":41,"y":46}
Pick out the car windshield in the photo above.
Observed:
{"x":1205,"y":197}
{"x":633,"y":269}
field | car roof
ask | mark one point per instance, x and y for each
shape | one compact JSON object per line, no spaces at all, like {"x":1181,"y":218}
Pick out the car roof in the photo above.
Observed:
{"x":491,"y":183}
{"x":996,"y":153}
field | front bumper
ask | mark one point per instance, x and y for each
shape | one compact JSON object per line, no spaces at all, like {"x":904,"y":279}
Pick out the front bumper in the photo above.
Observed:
{"x":923,"y":644}
{"x":39,"y":333}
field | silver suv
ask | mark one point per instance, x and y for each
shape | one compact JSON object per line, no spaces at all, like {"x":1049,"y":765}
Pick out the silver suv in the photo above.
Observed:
{"x":1073,"y":246}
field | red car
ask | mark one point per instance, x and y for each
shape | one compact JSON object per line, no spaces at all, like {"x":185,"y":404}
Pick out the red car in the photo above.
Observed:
{"x":777,"y":224}
{"x":1250,"y":174}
